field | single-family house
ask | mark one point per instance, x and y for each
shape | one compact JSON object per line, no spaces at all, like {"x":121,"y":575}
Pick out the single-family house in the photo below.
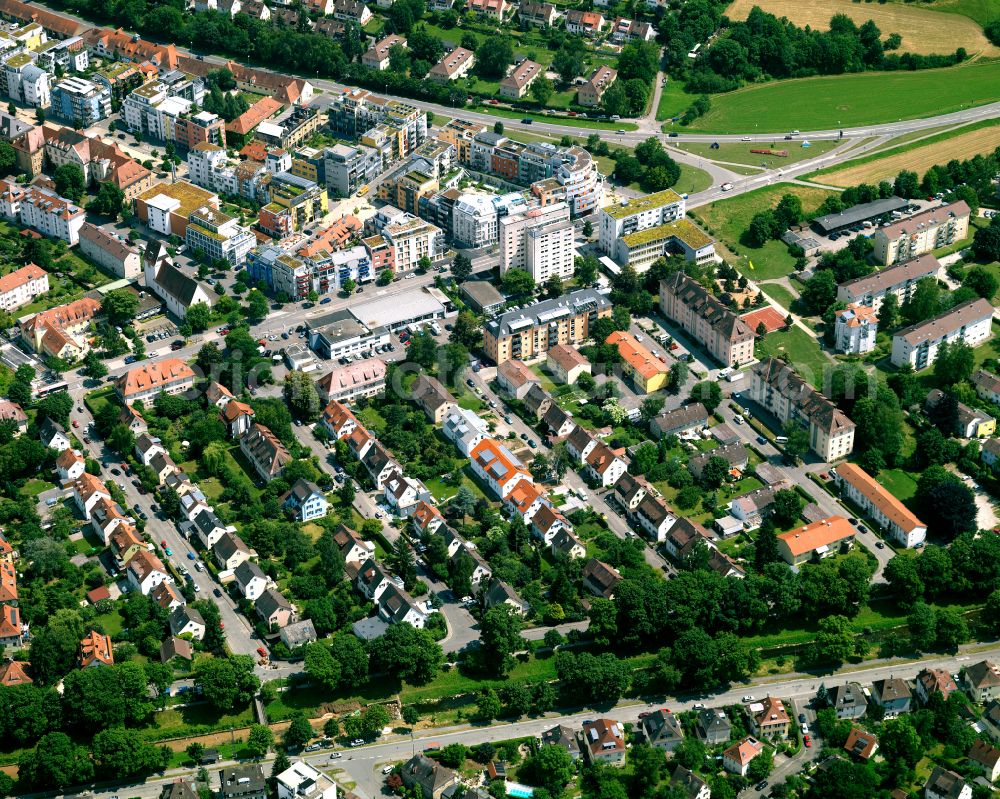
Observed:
{"x":662,"y":730}
{"x":273,"y":609}
{"x":604,"y":742}
{"x":306,"y":500}
{"x":736,"y":759}
{"x":600,"y":579}
{"x":982,"y":681}
{"x":945,"y":784}
{"x":187,"y":621}
{"x":230,"y":551}
{"x":768,"y":718}
{"x":861,"y":744}
{"x":987,"y":757}
{"x":893,"y":695}
{"x":250,"y":579}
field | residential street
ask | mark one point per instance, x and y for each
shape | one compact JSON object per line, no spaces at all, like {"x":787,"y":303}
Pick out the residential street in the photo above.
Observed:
{"x":363,"y":764}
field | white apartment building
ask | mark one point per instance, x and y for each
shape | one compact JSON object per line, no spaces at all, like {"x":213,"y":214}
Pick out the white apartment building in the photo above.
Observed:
{"x":856,"y":329}
{"x":474,"y":221}
{"x":582,"y":184}
{"x":219,"y":236}
{"x":550,"y":251}
{"x":878,"y":504}
{"x":51,"y":215}
{"x":152,"y":111}
{"x":922,"y":233}
{"x":20,"y":287}
{"x":209,"y":167}
{"x":412,"y":238}
{"x":642,"y":213}
{"x":899,"y":279}
{"x":918,"y":344}
{"x":514,"y":242}
{"x":26,"y":81}
{"x":349,"y":167}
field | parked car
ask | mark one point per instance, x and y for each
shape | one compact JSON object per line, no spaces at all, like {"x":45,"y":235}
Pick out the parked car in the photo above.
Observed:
{"x":217,"y":593}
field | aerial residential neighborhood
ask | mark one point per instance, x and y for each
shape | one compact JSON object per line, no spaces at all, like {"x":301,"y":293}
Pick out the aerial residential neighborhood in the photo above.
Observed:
{"x":547,"y":400}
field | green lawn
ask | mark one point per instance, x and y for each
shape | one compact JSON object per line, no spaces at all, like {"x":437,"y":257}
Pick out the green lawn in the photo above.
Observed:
{"x":112,"y":623}
{"x":510,"y":113}
{"x":673,"y":101}
{"x":692,"y":180}
{"x":847,"y":100}
{"x":802,"y":349}
{"x":728,"y":219}
{"x":982,"y":11}
{"x":779,"y":294}
{"x":899,"y":483}
{"x":988,"y":349}
{"x":739,"y":152}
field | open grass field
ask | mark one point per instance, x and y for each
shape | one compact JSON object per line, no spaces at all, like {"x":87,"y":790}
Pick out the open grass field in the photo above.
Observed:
{"x":923,"y":29}
{"x":982,"y":11}
{"x":728,"y":219}
{"x":919,"y":158}
{"x":899,"y":483}
{"x":739,"y":152}
{"x":673,"y":101}
{"x":840,"y":101}
{"x":779,"y":294}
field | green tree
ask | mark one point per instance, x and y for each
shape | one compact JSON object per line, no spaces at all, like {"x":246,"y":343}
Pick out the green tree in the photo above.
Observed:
{"x":550,"y":768}
{"x":109,"y":201}
{"x":834,"y":639}
{"x":500,"y":638}
{"x":924,"y":303}
{"x":570,"y":60}
{"x":55,"y":762}
{"x":257,"y":306}
{"x":708,"y":393}
{"x":120,"y":306}
{"x":411,"y":654}
{"x":954,"y":363}
{"x":321,"y":666}
{"x":227,"y":682}
{"x":93,"y":366}
{"x":517,"y":282}
{"x":299,"y":732}
{"x":900,"y":742}
{"x":982,"y":281}
{"x":199,"y":317}
{"x":302,"y":397}
{"x":786,"y":507}
{"x":488,"y":705}
{"x":375,"y":719}
{"x":260,"y":740}
{"x":494,"y":56}
{"x":70,"y":182}
{"x":461,"y":267}
{"x":952,"y":630}
{"x":541,"y":90}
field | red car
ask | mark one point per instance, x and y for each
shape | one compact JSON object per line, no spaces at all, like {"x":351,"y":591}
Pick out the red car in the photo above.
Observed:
{"x":76,"y":423}
{"x":163,"y":543}
{"x":806,"y":740}
{"x":261,"y":651}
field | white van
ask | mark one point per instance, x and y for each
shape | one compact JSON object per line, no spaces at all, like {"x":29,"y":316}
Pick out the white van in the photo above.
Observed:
{"x":781,"y":439}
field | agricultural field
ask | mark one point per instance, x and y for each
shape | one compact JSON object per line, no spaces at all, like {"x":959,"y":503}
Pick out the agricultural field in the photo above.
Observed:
{"x":843,"y":101}
{"x":982,"y":11}
{"x":739,"y":152}
{"x":918,"y":158}
{"x":728,"y":219}
{"x":923,"y":29}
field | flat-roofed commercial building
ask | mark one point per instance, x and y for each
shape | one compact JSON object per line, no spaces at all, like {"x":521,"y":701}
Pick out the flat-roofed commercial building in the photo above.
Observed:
{"x":726,"y":336}
{"x":818,"y":539}
{"x":900,"y":279}
{"x":785,"y":394}
{"x":878,"y":504}
{"x":862,"y":212}
{"x":923,"y":232}
{"x":530,"y":331}
{"x":638,"y":214}
{"x":682,"y":237}
{"x":919,"y":344}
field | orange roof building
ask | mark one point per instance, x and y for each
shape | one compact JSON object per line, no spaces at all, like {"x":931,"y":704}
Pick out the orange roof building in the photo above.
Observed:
{"x":817,"y":539}
{"x":62,"y":331}
{"x":8,"y":584}
{"x":95,"y":650}
{"x":21,"y":286}
{"x":645,"y":370}
{"x":498,"y":467}
{"x":525,"y":499}
{"x":246,"y":123}
{"x":426,"y":517}
{"x":145,"y":382}
{"x":879,"y":505}
{"x":15,"y":673}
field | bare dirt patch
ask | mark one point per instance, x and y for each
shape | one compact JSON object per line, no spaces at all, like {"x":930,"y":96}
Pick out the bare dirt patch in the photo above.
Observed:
{"x":923,"y":31}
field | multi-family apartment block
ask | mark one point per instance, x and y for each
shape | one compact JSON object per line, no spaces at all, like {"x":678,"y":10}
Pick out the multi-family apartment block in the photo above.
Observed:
{"x":110,"y":251}
{"x":26,"y":82}
{"x":855,"y":329}
{"x":377,"y":56}
{"x":453,"y":65}
{"x":878,"y":504}
{"x":293,"y":203}
{"x":539,"y":241}
{"x":778,"y":388}
{"x":80,"y":101}
{"x":631,"y":216}
{"x":918,"y":345}
{"x":20,"y":287}
{"x":530,"y":331}
{"x":42,"y":209}
{"x":899,"y":279}
{"x":518,"y":82}
{"x":349,"y":167}
{"x":219,"y":236}
{"x":170,"y":376}
{"x":357,"y":110}
{"x":725,"y":335}
{"x":600,"y":80}
{"x":921,"y":233}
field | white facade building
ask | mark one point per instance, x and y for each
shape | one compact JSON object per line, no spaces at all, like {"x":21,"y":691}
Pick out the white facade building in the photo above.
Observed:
{"x":856,"y":329}
{"x":918,"y":344}
{"x":653,"y":210}
{"x":474,"y":221}
{"x":518,"y":251}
